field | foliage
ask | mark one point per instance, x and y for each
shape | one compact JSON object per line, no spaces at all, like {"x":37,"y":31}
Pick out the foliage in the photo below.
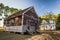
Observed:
{"x":1,"y":6}
{"x":8,"y":11}
{"x":50,"y":16}
{"x":39,"y":21}
{"x":58,"y":22}
{"x":14,"y":10}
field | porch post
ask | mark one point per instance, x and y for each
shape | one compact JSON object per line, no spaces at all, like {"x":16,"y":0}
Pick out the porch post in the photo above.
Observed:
{"x":22,"y":23}
{"x":22,"y":18}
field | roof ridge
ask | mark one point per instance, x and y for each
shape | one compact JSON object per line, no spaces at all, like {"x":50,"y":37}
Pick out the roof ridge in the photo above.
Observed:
{"x":22,"y":11}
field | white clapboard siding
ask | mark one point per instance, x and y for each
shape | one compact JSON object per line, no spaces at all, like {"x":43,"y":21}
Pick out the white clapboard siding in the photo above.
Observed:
{"x":13,"y":28}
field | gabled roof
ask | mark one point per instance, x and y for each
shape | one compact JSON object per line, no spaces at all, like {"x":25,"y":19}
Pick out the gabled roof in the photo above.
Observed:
{"x":23,"y":12}
{"x":47,"y":21}
{"x":19,"y":13}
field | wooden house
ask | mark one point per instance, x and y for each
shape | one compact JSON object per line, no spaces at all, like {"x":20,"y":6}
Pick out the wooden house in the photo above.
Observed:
{"x":23,"y":21}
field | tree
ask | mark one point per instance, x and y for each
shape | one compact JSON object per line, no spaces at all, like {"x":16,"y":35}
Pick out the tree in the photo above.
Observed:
{"x":1,"y":8}
{"x":8,"y":11}
{"x":39,"y":20}
{"x":58,"y":22}
{"x":49,"y":15}
{"x":14,"y":10}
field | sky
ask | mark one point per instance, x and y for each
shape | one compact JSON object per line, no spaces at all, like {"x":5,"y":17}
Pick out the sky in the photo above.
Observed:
{"x":41,"y":6}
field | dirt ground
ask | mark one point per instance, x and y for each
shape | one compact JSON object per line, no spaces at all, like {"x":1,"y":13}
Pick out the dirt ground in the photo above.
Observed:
{"x":43,"y":35}
{"x":46,"y":35}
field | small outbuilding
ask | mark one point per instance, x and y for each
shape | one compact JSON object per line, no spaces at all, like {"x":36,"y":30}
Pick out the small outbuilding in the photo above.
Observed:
{"x":48,"y":24}
{"x":23,"y":21}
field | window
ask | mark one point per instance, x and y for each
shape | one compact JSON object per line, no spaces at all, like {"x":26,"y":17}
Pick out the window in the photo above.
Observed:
{"x":0,"y":19}
{"x":46,"y":26}
{"x":51,"y":26}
